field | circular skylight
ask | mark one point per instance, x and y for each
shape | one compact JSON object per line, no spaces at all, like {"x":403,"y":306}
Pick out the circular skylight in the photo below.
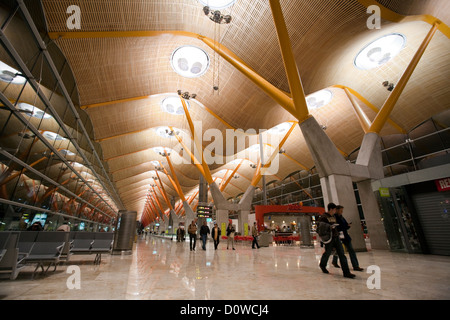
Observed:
{"x":10,"y":75}
{"x":280,"y":129}
{"x":33,"y":111}
{"x":173,"y":105}
{"x":319,"y":99}
{"x":217,"y":4}
{"x":53,"y":136}
{"x":380,"y":51}
{"x":189,"y":61}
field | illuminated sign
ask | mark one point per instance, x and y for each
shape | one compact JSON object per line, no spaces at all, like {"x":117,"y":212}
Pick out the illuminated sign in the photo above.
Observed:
{"x":204,"y":211}
{"x":443,"y":184}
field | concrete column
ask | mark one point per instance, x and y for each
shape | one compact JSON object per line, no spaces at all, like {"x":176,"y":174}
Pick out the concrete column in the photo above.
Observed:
{"x":245,"y":207}
{"x":305,"y":227}
{"x":189,"y":214}
{"x":339,"y":190}
{"x":222,"y":218}
{"x":336,"y":176}
{"x":375,"y":227}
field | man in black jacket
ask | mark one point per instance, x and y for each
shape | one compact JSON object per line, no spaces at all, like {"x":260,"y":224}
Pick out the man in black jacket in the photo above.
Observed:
{"x":346,"y":241}
{"x":330,"y":237}
{"x":204,"y":231}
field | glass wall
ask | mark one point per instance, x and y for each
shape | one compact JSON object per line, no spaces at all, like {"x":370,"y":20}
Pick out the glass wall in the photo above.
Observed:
{"x":50,"y":169}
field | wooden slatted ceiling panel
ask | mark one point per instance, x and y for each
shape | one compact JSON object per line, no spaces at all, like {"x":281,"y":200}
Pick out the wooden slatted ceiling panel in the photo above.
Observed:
{"x":428,"y":84}
{"x":437,"y":8}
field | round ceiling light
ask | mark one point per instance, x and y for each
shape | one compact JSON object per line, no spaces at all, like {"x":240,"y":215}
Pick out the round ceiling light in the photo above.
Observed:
{"x":166,"y":132}
{"x":217,"y":4}
{"x":33,"y":111}
{"x":319,"y":99}
{"x":380,"y":51}
{"x":53,"y":136}
{"x":11,"y":75}
{"x":160,"y":150}
{"x":173,"y":105}
{"x":189,"y":61}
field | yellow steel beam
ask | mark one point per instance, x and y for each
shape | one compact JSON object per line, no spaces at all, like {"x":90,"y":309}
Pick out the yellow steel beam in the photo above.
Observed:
{"x":399,"y":128}
{"x":290,"y":66}
{"x":197,"y":143}
{"x":281,"y":97}
{"x":231,"y":176}
{"x":389,"y":104}
{"x":163,"y":191}
{"x":274,"y":154}
{"x":360,"y":115}
{"x":175,"y":178}
{"x":106,"y":103}
{"x":193,"y":159}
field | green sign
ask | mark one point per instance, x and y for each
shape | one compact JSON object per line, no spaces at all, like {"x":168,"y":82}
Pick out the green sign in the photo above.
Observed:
{"x":384,"y":192}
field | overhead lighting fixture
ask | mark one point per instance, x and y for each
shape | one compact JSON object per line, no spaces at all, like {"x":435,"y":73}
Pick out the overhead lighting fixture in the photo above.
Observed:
{"x":189,"y":61}
{"x":10,"y":75}
{"x":67,"y":152}
{"x":53,"y":136}
{"x":319,"y":99}
{"x":217,"y":4}
{"x":160,"y":151}
{"x":216,"y":16}
{"x":173,"y":105}
{"x":380,"y":51}
{"x":166,"y":132}
{"x":33,"y":111}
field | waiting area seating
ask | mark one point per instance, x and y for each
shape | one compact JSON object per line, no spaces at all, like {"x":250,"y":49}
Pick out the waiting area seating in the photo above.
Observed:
{"x":48,"y":248}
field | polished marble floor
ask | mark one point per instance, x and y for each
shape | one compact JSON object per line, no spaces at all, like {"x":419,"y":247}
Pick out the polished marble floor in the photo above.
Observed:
{"x":161,"y":269}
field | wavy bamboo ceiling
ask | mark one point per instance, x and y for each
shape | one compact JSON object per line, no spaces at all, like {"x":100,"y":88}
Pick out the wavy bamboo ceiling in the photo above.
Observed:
{"x":326,"y":35}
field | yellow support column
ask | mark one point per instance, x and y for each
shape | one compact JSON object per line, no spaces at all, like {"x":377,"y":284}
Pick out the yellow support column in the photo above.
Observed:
{"x":290,"y":66}
{"x":231,"y":176}
{"x":360,"y":115}
{"x":207,"y":173}
{"x":258,"y":177}
{"x":388,"y":106}
{"x":175,"y":178}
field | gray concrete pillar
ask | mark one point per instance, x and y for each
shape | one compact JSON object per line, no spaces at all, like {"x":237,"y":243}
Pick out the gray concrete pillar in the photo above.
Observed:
{"x":222,"y":219}
{"x":188,"y":213}
{"x":305,"y":231}
{"x":372,"y":216}
{"x":243,"y":222}
{"x":339,"y":190}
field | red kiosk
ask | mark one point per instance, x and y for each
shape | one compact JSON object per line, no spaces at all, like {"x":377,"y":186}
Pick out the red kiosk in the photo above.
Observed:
{"x":261,"y":210}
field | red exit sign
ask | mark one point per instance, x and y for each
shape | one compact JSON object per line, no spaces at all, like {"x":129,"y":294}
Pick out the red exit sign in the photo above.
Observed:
{"x":443,"y":184}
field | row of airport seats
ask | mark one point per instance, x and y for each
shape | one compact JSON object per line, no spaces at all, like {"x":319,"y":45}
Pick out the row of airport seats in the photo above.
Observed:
{"x":48,"y":248}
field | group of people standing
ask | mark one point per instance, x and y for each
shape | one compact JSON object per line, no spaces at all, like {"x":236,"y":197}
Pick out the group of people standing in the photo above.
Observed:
{"x":332,"y":229}
{"x":215,"y":235}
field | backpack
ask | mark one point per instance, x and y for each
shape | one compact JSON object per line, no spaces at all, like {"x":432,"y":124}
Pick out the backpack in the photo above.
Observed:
{"x":324,"y":232}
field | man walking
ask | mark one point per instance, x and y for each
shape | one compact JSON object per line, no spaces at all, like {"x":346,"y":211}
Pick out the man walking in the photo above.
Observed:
{"x":326,"y":229}
{"x":192,"y":230}
{"x":255,"y":234}
{"x":346,"y":241}
{"x":204,"y":231}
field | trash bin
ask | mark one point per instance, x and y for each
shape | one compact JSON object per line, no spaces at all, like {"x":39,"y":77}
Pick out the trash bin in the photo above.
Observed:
{"x":124,"y":235}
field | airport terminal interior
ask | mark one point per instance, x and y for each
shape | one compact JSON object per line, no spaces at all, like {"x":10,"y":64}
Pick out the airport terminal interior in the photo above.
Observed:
{"x":193,"y":150}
